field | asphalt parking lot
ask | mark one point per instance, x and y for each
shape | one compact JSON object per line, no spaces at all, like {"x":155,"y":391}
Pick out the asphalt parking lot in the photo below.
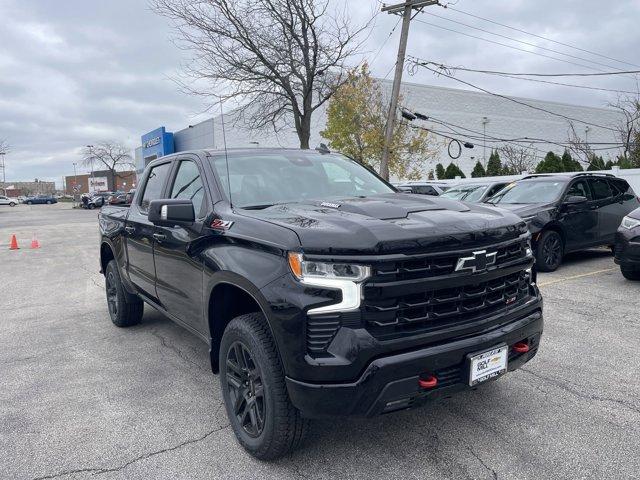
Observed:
{"x":80,"y":398}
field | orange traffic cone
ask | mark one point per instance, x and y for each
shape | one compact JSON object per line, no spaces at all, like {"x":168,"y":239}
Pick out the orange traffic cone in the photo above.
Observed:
{"x":34,"y":242}
{"x":13,"y":245}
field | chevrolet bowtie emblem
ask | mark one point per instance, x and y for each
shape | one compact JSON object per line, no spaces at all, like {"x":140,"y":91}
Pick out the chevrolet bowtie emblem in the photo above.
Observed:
{"x":478,"y":262}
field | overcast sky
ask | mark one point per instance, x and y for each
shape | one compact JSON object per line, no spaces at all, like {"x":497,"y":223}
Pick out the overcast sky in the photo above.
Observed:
{"x":75,"y":72}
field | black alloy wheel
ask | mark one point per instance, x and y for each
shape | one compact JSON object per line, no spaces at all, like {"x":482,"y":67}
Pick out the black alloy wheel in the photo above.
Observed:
{"x":112,"y":294}
{"x":549,"y":252}
{"x":246,"y":389}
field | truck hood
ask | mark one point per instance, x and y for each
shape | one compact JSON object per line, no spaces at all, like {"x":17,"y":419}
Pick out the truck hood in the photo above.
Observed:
{"x":525,"y":209}
{"x":391,"y":223}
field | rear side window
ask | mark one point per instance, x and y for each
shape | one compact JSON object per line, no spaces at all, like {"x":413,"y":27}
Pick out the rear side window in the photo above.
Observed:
{"x":153,"y":187}
{"x":188,"y":185}
{"x":619,"y":186}
{"x":601,"y":189}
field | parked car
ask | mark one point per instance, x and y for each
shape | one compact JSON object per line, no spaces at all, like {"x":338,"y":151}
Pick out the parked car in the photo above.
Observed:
{"x":39,"y":199}
{"x":475,"y":192}
{"x":120,"y":199}
{"x":423,"y":188}
{"x":567,"y":213}
{"x":320,"y":290}
{"x":627,"y":248}
{"x":12,"y":202}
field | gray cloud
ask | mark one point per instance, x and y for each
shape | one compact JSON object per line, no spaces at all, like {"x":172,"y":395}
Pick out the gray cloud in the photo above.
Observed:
{"x":77,"y":72}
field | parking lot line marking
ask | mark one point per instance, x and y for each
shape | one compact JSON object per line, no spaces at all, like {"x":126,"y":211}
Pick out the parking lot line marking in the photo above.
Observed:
{"x":573,"y":277}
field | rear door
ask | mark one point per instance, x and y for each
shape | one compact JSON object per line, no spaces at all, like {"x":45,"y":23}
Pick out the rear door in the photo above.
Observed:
{"x":178,"y":267}
{"x":139,"y":231}
{"x":609,"y":217}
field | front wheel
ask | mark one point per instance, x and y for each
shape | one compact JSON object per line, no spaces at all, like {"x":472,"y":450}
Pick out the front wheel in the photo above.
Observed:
{"x":29,"y":203}
{"x":12,"y":204}
{"x":549,"y":251}
{"x":261,"y":414}
{"x":125,"y":309}
{"x":48,"y":202}
{"x":91,"y":206}
{"x":630,"y":273}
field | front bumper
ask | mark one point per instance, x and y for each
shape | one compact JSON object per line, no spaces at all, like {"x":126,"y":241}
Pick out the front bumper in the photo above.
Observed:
{"x":627,"y":248}
{"x":391,"y":383}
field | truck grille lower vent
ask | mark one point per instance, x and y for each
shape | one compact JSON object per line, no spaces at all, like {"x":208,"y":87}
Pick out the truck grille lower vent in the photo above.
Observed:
{"x":320,"y":332}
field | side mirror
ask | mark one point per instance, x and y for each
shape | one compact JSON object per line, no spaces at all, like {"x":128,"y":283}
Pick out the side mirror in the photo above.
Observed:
{"x":575,"y":200}
{"x":171,"y":211}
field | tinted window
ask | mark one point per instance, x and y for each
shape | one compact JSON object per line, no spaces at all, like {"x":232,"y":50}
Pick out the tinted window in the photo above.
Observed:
{"x":601,"y":189}
{"x":619,"y":186}
{"x":579,"y":189}
{"x":153,"y":187}
{"x":188,"y":185}
{"x":425,"y":190}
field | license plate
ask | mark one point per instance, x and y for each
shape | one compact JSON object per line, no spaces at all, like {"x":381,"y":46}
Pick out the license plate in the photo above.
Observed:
{"x":487,"y":365}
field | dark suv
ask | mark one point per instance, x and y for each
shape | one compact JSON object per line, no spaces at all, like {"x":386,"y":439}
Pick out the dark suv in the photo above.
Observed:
{"x":628,"y":246}
{"x":568,"y":212}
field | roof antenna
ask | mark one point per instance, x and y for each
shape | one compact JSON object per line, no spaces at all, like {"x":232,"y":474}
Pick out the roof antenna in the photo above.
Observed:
{"x":226,"y":156}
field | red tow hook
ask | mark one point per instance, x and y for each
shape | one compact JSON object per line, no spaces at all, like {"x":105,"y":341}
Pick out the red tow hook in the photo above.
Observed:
{"x":429,"y":382}
{"x":521,"y":347}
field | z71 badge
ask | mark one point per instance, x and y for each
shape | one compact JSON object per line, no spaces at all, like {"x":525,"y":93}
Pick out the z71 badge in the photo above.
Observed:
{"x":330,"y":205}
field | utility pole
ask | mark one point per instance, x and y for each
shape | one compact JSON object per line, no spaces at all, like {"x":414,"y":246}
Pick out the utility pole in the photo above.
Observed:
{"x":406,"y":8}
{"x":485,"y":120}
{"x":4,"y":175}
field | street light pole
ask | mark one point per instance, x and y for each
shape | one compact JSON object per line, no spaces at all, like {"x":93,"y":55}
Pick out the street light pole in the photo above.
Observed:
{"x":75,"y":182}
{"x":485,"y":120}
{"x":4,"y":176}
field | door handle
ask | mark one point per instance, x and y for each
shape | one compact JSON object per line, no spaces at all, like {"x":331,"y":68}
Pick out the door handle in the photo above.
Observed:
{"x":129,"y":229}
{"x":159,"y":236}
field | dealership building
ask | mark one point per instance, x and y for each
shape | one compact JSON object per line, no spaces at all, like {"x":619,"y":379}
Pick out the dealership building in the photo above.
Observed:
{"x":100,"y":181}
{"x":479,"y":118}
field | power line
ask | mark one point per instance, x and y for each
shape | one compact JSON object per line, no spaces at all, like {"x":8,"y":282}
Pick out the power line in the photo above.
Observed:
{"x":519,"y":102}
{"x":449,"y":68}
{"x":519,"y":41}
{"x":519,"y":74}
{"x":540,"y":36}
{"x":508,"y":46}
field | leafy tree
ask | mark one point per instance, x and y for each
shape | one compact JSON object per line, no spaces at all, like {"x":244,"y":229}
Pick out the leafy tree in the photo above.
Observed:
{"x":478,"y":171}
{"x":494,"y":165}
{"x":569,"y":164}
{"x":552,"y":163}
{"x":596,"y":163}
{"x":453,"y":171}
{"x":356,"y":119}
{"x":440,"y":171}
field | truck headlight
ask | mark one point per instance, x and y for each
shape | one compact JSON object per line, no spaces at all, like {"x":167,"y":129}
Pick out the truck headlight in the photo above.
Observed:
{"x":342,"y":276}
{"x":630,"y":223}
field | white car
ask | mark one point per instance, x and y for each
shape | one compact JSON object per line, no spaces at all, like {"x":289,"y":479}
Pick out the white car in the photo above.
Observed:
{"x":12,"y":202}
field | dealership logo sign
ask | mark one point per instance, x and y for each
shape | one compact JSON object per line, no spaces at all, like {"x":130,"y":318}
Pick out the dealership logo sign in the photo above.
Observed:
{"x":478,"y":262}
{"x":152,"y":142}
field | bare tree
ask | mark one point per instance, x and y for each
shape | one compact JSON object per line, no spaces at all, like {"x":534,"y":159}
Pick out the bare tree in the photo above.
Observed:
{"x":113,"y":155}
{"x":280,"y":59}
{"x":517,"y":159}
{"x":628,"y":129}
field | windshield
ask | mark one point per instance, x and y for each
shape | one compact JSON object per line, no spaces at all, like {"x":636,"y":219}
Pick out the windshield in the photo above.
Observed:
{"x":467,"y":193}
{"x":538,"y":191}
{"x":259,"y":179}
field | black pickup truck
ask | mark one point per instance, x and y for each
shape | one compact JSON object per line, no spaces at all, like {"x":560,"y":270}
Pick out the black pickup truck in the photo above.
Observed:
{"x":319,"y":288}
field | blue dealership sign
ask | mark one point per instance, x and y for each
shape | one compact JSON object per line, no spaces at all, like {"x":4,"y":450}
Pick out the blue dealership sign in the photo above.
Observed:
{"x":157,"y":143}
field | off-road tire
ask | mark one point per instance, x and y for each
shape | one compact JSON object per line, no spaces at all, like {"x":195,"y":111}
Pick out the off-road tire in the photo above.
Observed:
{"x":125,"y":309}
{"x":630,"y":273}
{"x":549,"y":251}
{"x":283,"y":427}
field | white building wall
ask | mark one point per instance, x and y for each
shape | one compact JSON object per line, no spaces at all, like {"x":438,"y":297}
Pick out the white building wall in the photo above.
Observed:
{"x":465,"y":108}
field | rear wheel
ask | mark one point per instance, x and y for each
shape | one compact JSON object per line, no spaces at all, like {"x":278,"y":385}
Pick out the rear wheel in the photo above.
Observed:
{"x":125,"y":309}
{"x":630,"y":273}
{"x":48,"y":202}
{"x":549,"y":251}
{"x":261,"y":414}
{"x":29,"y":203}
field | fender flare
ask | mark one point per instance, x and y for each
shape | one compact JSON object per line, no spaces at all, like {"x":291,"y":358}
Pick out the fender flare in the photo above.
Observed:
{"x":238,"y":281}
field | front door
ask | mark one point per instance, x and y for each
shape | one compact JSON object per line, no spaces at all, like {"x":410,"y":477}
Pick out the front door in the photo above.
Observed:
{"x":140,"y":232}
{"x":580,"y":220}
{"x":180,"y":271}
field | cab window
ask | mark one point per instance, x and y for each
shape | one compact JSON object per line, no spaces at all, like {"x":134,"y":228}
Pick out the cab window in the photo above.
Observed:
{"x":153,"y":186}
{"x":188,"y":185}
{"x":601,"y":189}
